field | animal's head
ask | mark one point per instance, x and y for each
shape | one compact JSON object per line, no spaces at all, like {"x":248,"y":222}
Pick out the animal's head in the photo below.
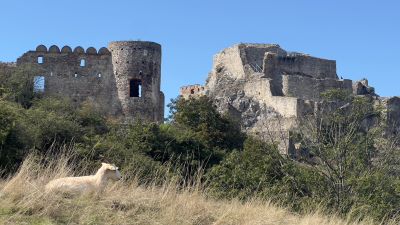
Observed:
{"x":111,"y":171}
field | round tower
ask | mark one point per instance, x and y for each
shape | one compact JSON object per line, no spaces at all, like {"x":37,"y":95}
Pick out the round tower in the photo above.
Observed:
{"x":137,"y":71}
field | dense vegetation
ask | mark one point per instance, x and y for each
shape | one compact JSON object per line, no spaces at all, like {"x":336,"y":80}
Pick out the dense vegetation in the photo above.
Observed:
{"x":347,"y":165}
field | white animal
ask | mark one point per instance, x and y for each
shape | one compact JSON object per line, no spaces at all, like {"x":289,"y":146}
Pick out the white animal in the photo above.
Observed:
{"x":93,"y":183}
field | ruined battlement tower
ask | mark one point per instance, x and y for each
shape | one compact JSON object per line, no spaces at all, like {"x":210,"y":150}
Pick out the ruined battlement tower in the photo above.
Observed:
{"x":122,"y":80}
{"x":137,"y":71}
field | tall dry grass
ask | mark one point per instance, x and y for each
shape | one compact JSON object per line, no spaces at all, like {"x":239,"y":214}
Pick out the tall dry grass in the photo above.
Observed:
{"x":23,"y":201}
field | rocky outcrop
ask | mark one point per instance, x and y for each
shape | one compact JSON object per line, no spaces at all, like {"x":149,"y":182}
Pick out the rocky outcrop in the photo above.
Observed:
{"x":269,"y":90}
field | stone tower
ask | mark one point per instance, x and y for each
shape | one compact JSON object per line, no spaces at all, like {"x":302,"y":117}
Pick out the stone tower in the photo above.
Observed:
{"x":137,"y":71}
{"x":122,"y":81}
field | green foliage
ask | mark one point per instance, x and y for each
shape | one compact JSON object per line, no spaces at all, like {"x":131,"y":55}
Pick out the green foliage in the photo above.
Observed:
{"x":245,"y":173}
{"x":342,"y":171}
{"x":18,"y":86}
{"x":259,"y":170}
{"x":202,"y":117}
{"x":342,"y":142}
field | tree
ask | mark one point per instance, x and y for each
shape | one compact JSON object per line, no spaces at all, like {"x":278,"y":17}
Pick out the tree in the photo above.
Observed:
{"x":201,"y":116}
{"x":341,"y":141}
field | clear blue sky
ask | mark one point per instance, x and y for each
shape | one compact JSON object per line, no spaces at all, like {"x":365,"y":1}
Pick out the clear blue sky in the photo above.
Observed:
{"x":363,"y":36}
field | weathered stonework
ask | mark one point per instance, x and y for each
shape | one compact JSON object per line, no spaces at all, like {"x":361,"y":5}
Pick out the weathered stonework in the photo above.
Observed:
{"x":270,"y":90}
{"x":192,"y":91}
{"x":106,"y":77}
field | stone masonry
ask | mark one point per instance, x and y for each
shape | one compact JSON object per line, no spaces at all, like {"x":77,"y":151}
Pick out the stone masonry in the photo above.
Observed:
{"x":269,"y":89}
{"x":192,"y":90}
{"x":123,"y":80}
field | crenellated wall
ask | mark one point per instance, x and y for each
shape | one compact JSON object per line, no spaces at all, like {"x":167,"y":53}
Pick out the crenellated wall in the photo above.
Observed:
{"x":78,"y":74}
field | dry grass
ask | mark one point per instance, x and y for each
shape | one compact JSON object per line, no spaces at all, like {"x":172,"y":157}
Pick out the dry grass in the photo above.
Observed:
{"x":22,"y":201}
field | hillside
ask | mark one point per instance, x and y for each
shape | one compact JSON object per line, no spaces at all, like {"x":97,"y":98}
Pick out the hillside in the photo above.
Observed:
{"x":346,"y":166}
{"x":23,"y":202}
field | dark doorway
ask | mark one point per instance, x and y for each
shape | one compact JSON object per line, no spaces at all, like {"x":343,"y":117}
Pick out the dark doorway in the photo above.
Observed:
{"x":135,"y":88}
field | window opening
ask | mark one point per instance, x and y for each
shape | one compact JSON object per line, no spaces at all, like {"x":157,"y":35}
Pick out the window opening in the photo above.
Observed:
{"x":83,"y":63}
{"x":40,"y":59}
{"x":38,"y":84}
{"x":135,"y":88}
{"x":191,"y":91}
{"x":99,"y":75}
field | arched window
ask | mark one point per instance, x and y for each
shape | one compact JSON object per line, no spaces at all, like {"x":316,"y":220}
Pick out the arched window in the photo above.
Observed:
{"x":83,"y":63}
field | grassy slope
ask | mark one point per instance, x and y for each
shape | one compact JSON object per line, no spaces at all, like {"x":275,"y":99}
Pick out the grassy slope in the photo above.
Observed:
{"x":22,"y":202}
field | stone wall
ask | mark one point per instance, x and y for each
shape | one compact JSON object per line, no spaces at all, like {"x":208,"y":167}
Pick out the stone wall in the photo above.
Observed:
{"x":106,"y":77}
{"x":140,"y":61}
{"x":300,"y":64}
{"x":309,"y":88}
{"x":253,"y":55}
{"x":269,"y":89}
{"x":77,"y":74}
{"x":192,"y":91}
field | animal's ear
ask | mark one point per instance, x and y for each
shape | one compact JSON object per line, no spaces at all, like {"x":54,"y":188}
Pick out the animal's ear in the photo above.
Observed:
{"x":111,"y":167}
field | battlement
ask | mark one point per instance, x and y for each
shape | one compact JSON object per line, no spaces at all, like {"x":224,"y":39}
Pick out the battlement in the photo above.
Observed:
{"x":123,"y":79}
{"x":42,"y":49}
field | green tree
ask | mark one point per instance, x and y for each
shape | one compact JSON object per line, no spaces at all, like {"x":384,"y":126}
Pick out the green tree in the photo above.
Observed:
{"x":341,"y":140}
{"x":202,"y":117}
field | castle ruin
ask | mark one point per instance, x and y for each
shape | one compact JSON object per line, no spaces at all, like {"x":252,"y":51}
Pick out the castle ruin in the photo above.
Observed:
{"x":269,"y":89}
{"x":123,"y":80}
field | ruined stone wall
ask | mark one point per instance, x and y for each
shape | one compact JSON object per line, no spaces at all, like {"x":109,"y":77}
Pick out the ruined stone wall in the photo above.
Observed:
{"x":270,"y":100}
{"x":192,"y":91}
{"x":309,"y":88}
{"x":301,"y":65}
{"x":76,"y":74}
{"x":229,"y":60}
{"x":105,"y":78}
{"x":139,"y":61}
{"x":253,"y":55}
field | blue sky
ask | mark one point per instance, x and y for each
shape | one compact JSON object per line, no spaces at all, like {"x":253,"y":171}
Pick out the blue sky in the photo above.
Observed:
{"x":362,"y":36}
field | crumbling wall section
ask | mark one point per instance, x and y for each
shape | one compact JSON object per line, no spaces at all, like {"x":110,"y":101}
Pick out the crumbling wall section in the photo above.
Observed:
{"x":253,"y":55}
{"x":229,"y":63}
{"x":78,"y":74}
{"x":195,"y":90}
{"x":310,"y":88}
